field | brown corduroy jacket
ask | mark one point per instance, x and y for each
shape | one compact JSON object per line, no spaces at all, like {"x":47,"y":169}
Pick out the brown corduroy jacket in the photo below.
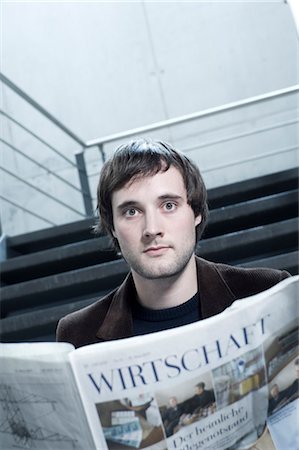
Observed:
{"x":109,"y":318}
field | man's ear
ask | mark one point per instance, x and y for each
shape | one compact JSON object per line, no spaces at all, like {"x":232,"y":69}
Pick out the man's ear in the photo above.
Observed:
{"x":198,"y":219}
{"x":113,"y":233}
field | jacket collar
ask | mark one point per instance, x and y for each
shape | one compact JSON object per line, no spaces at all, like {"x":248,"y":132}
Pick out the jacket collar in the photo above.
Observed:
{"x":118,"y":322}
{"x":215,"y":295}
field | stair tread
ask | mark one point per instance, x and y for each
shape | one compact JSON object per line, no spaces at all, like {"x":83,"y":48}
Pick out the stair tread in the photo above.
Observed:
{"x":259,"y":211}
{"x":70,"y":256}
{"x":254,"y":188}
{"x":59,"y":235}
{"x":238,"y":243}
{"x":101,"y":271}
{"x":61,"y":280}
{"x":96,"y":246}
{"x":284,"y":261}
{"x":20,"y":324}
{"x":219,"y":196}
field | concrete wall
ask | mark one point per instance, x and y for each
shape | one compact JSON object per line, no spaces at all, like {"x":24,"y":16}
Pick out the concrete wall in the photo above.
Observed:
{"x":106,"y":67}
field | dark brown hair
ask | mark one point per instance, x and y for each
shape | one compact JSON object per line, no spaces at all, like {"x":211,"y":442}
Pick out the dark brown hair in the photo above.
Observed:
{"x":141,"y":158}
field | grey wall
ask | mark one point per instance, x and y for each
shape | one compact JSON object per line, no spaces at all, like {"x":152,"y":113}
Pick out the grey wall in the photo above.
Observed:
{"x":104,"y":67}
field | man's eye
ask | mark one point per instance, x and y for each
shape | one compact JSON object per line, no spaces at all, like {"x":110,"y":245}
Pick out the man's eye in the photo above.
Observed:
{"x":169,"y":206}
{"x":130,"y":212}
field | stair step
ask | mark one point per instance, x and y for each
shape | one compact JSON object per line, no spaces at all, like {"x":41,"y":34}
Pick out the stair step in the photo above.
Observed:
{"x":57,"y":260}
{"x":98,"y":250}
{"x":61,"y":287}
{"x":256,"y":212}
{"x":236,"y":247}
{"x":254,"y":243}
{"x":254,"y":188}
{"x":50,"y":237}
{"x":286,"y":261}
{"x":34,"y":324}
{"x":43,"y":321}
{"x":82,"y":230}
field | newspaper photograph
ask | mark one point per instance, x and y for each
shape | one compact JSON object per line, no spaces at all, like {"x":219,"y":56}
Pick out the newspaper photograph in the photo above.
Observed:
{"x":282,"y":361}
{"x":207,"y":385}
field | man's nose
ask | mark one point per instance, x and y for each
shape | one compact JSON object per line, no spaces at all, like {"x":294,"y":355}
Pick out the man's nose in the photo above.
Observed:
{"x":152,"y":225}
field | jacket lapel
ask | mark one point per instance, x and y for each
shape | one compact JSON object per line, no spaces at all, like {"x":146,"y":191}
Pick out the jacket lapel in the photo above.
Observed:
{"x":118,"y":322}
{"x":214,"y":293}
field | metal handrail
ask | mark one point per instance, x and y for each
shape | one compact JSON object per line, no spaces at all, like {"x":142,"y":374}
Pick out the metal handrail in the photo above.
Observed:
{"x":232,"y":137}
{"x":40,"y":108}
{"x":40,"y":190}
{"x":252,"y":158}
{"x":100,"y":142}
{"x":189,"y":117}
{"x":238,"y":161}
{"x":16,"y":122}
{"x":36,"y":163}
{"x":27,"y":210}
{"x":227,"y":139}
{"x":154,"y":126}
{"x":80,"y":163}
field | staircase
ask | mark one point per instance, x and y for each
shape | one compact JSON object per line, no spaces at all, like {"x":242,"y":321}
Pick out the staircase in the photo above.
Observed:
{"x":52,"y":272}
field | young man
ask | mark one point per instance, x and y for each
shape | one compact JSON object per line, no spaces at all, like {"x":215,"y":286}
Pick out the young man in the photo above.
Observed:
{"x":201,"y":399}
{"x":171,"y":416}
{"x":153,"y":204}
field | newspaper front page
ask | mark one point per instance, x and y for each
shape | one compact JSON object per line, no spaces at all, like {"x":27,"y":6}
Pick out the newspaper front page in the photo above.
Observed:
{"x":207,"y":385}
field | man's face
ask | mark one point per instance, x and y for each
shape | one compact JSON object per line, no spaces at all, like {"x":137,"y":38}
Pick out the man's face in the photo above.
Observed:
{"x":274,"y":391}
{"x":198,"y":390}
{"x":173,"y":402}
{"x":154,"y":225}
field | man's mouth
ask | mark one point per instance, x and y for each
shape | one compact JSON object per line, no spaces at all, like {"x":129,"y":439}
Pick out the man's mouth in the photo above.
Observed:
{"x":157,"y":250}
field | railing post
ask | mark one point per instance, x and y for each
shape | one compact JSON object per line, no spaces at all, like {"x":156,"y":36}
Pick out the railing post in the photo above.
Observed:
{"x":101,"y":149}
{"x":84,"y":183}
{"x":3,"y":247}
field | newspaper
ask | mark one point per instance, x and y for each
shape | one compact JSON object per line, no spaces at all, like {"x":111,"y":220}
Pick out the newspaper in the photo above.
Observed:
{"x":213,"y":384}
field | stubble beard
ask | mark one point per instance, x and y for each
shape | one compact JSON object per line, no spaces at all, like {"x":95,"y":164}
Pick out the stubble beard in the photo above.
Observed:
{"x":156,"y":268}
